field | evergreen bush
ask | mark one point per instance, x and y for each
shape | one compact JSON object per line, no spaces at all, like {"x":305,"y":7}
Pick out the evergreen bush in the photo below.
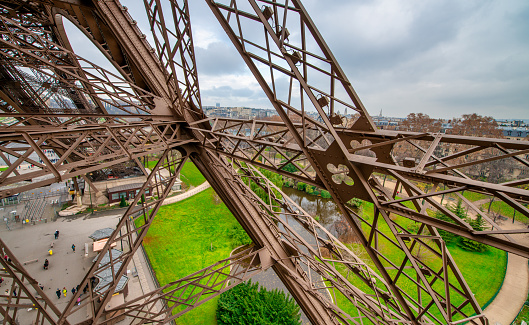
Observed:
{"x":248,"y":304}
{"x":469,"y":244}
{"x":290,"y":167}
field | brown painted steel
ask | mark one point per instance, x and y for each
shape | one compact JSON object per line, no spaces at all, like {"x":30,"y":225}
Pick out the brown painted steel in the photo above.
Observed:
{"x":52,"y":99}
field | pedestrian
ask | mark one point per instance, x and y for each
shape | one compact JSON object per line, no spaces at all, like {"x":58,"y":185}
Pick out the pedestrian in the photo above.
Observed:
{"x":64,"y":291}
{"x":1,"y":280}
{"x":41,"y":286}
{"x":85,"y":289}
{"x":5,"y":257}
{"x":78,"y":301}
{"x":15,"y":292}
{"x":58,"y":293}
{"x":73,"y":291}
{"x":46,"y":264}
{"x":56,"y":233}
{"x":73,"y":248}
{"x":7,"y":292}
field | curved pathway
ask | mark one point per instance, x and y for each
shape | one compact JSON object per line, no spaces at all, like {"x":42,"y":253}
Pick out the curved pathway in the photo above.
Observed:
{"x":187,"y":194}
{"x":513,"y":293}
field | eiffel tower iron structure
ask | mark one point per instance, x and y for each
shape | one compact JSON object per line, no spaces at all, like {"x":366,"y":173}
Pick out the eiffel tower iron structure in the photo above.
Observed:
{"x":53,"y":99}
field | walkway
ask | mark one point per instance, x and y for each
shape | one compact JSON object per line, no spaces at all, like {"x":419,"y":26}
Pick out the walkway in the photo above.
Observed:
{"x":513,"y":293}
{"x":187,"y":194}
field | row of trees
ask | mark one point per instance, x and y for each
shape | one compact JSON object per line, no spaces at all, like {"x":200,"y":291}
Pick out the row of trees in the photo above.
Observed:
{"x":495,"y":171}
{"x":468,"y":125}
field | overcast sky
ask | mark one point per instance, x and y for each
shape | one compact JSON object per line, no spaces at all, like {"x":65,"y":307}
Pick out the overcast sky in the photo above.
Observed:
{"x":440,"y":57}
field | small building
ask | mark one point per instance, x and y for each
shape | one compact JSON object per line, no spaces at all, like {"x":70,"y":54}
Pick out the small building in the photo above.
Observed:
{"x":128,"y":191}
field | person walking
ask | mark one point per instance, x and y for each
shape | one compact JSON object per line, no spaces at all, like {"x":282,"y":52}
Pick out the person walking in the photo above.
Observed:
{"x":41,"y":286}
{"x":56,"y":233}
{"x":1,"y":280}
{"x":64,"y":291}
{"x":58,"y":293}
{"x":46,"y":264}
{"x":73,"y":291}
{"x":73,"y":248}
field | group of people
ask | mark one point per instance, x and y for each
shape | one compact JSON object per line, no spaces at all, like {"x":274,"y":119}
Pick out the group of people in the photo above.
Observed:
{"x":46,"y":265}
{"x":50,"y":251}
{"x":64,"y":292}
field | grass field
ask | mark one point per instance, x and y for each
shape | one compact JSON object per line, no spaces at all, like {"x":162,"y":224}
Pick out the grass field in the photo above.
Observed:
{"x":477,"y":268}
{"x":189,"y":174}
{"x":180,"y":240}
{"x":179,"y":243}
{"x":505,"y":210}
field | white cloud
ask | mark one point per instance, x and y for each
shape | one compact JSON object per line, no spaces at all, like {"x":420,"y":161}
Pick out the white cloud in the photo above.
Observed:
{"x":440,"y":57}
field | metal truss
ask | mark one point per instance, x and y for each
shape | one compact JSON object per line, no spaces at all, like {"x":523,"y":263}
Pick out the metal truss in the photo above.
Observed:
{"x":195,"y":289}
{"x":52,"y":98}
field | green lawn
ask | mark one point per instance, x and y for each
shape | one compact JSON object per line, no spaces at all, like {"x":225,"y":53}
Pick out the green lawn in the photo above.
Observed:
{"x":477,"y":268}
{"x":505,"y":210}
{"x":179,"y":243}
{"x":189,"y":174}
{"x":473,"y":196}
{"x":3,"y":168}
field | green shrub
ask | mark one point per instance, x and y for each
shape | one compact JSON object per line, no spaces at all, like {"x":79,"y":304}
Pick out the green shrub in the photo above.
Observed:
{"x":248,"y":304}
{"x":469,"y":244}
{"x":356,"y":202}
{"x":301,"y":186}
{"x":325,"y":194}
{"x":290,"y":167}
{"x":123,"y":203}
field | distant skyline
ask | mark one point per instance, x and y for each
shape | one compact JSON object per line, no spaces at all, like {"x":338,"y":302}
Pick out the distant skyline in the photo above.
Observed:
{"x":443,"y":58}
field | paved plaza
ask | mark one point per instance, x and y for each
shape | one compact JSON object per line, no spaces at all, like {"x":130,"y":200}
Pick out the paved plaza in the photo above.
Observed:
{"x":67,"y":268}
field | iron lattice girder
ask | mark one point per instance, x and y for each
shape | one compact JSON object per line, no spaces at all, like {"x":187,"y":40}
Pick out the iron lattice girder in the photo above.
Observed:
{"x":197,"y":288}
{"x":82,"y":149}
{"x":228,"y":185}
{"x":168,"y":85}
{"x":25,"y":286}
{"x":255,"y":141}
{"x":428,"y":239}
{"x":131,"y":228}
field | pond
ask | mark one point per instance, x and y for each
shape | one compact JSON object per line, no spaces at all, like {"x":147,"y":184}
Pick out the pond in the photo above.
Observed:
{"x":327,"y":212}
